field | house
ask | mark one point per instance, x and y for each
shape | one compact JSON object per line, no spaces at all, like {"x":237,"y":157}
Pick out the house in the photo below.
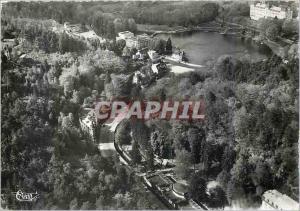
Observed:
{"x":130,"y":39}
{"x":88,"y":123}
{"x":143,"y":41}
{"x":139,"y":78}
{"x":72,"y":27}
{"x":90,"y":35}
{"x":274,"y":200}
{"x":262,"y":10}
{"x":66,"y":25}
{"x":139,"y":55}
{"x":131,"y":42}
{"x":154,"y":68}
{"x":152,"y":54}
{"x":124,"y":35}
{"x":140,"y":41}
{"x":178,"y":55}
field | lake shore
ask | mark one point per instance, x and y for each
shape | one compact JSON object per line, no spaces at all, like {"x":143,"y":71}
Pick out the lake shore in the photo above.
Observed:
{"x":214,"y":26}
{"x":164,"y":29}
{"x":169,"y":58}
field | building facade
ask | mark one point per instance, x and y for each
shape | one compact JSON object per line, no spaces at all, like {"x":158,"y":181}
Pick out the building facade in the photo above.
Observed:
{"x":262,"y":10}
{"x":274,"y":200}
{"x":143,"y":41}
{"x":152,"y":55}
{"x":139,"y":42}
{"x":132,"y":42}
{"x":124,"y":35}
{"x":130,"y":39}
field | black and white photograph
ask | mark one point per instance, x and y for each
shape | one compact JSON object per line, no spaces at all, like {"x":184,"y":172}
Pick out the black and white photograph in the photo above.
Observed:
{"x":149,"y":105}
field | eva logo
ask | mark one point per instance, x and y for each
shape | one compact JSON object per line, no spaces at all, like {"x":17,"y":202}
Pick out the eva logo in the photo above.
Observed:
{"x":21,"y":196}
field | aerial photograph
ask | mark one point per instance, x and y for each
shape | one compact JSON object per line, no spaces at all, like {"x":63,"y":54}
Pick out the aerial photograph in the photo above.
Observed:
{"x":149,"y":105}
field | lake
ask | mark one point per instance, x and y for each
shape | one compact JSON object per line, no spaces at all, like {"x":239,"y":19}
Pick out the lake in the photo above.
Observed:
{"x":201,"y":47}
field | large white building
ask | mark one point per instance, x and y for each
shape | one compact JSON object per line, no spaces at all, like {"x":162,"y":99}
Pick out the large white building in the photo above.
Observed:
{"x":125,"y":35}
{"x":130,"y":39}
{"x":262,"y":10}
{"x":274,"y":200}
{"x":143,"y":41}
{"x":139,"y":42}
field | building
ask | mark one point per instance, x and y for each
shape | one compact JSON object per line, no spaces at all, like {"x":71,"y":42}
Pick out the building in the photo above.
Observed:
{"x":274,"y":200}
{"x":130,"y":39}
{"x":88,"y":123}
{"x":131,"y":42}
{"x":154,"y":68}
{"x":143,"y":41}
{"x":139,"y":55}
{"x":140,"y":41}
{"x":262,"y":10}
{"x":91,"y":35}
{"x":72,"y":27}
{"x":152,"y":54}
{"x":124,"y":35}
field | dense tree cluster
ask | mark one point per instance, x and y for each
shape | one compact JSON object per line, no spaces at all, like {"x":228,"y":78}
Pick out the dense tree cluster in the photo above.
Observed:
{"x":43,"y":148}
{"x":40,"y":35}
{"x":109,"y":18}
{"x":177,"y":13}
{"x":248,"y":143}
{"x":230,"y":10}
{"x":272,"y":28}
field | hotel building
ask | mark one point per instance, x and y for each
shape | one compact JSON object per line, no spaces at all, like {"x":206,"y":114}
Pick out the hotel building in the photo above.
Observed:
{"x":261,"y":10}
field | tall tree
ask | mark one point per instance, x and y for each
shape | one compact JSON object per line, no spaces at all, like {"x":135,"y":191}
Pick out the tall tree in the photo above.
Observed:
{"x":197,"y":187}
{"x":135,"y":153}
{"x":169,"y":46}
{"x":217,"y":197}
{"x":160,"y":46}
{"x":150,"y":159}
{"x":183,"y":164}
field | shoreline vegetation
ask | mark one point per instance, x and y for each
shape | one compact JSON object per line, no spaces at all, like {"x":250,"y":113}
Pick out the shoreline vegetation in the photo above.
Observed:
{"x":164,"y":29}
{"x":278,"y":48}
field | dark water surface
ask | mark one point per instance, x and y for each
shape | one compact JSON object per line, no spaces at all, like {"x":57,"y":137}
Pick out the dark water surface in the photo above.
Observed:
{"x":204,"y":46}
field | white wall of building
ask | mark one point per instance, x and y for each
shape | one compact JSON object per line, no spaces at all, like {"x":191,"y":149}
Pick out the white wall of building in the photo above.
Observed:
{"x":260,"y":10}
{"x":274,"y":200}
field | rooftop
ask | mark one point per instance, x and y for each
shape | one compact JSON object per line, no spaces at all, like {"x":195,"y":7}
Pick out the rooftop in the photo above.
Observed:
{"x":260,"y":5}
{"x":281,"y":200}
{"x":88,"y":117}
{"x":143,"y":36}
{"x":271,"y":7}
{"x":125,"y":32}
